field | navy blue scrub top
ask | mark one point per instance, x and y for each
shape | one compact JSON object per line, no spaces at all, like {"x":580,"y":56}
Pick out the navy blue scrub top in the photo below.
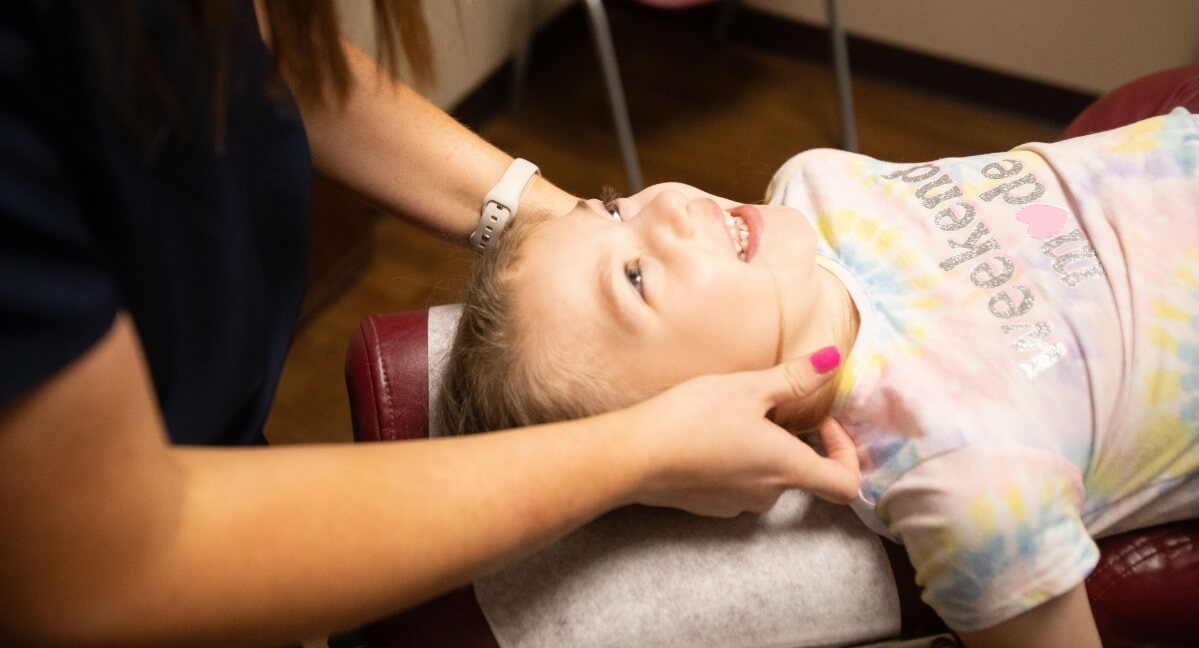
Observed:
{"x":205,"y":247}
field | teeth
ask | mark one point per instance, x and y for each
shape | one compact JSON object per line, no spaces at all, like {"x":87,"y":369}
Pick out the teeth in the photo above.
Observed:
{"x":739,"y":232}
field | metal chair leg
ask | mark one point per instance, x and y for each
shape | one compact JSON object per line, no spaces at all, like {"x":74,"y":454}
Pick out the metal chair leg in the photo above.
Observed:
{"x":836,"y":32}
{"x":602,"y":35}
{"x":526,"y":27}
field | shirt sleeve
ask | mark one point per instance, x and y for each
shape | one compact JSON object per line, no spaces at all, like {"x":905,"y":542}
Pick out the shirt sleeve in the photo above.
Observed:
{"x":56,"y":291}
{"x":992,"y":531}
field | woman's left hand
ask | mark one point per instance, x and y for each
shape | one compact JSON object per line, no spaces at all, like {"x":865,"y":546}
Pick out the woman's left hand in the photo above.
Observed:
{"x":708,"y":447}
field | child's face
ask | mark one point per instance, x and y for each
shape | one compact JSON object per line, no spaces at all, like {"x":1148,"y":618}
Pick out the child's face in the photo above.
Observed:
{"x":663,"y":296}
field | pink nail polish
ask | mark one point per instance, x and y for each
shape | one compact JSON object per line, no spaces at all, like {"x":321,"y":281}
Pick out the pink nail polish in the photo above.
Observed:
{"x":826,"y":359}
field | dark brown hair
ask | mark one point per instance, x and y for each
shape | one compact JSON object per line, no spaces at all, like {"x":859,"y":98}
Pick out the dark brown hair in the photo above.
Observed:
{"x":305,"y":37}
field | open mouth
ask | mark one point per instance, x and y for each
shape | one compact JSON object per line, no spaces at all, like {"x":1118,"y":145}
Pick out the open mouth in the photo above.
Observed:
{"x":739,"y":234}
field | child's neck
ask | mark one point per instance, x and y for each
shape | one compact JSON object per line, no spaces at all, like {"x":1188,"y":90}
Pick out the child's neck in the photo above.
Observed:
{"x":835,"y":322}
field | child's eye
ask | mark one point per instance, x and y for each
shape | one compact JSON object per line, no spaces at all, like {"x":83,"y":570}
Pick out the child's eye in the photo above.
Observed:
{"x":612,"y":209}
{"x":632,"y":272}
{"x":608,"y":197}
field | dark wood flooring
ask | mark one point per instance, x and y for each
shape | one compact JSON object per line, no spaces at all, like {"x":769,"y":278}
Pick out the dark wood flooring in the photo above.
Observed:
{"x":719,"y":115}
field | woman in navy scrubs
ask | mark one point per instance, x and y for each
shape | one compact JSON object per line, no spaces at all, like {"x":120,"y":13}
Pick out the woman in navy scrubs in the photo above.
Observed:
{"x":153,"y":225}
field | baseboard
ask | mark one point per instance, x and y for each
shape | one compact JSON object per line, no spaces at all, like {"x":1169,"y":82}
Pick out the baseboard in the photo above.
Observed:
{"x":785,"y":37}
{"x":914,"y":69}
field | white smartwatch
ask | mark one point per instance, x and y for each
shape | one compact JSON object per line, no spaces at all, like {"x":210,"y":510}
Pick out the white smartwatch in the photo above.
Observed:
{"x":499,"y":205}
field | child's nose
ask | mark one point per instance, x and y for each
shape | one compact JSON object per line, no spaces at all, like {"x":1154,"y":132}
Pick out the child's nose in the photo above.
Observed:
{"x":669,"y":211}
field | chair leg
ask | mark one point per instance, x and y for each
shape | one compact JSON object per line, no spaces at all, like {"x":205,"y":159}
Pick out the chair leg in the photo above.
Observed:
{"x":836,"y":32}
{"x":525,"y":28}
{"x":602,"y":35}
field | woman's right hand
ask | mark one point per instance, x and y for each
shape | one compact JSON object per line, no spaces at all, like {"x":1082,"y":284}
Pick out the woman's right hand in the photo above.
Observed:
{"x":709,"y":448}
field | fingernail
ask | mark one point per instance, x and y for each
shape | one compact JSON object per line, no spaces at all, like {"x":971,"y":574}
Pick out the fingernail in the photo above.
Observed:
{"x":826,"y":359}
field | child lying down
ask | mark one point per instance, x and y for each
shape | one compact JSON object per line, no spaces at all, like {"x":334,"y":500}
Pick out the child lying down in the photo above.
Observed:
{"x":1022,"y":331}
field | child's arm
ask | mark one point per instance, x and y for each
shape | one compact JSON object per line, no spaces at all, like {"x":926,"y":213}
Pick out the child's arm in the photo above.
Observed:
{"x":998,"y":543}
{"x":1063,"y":621}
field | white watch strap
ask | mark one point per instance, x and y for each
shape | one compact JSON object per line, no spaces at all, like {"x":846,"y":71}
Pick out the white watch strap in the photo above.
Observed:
{"x":499,"y":205}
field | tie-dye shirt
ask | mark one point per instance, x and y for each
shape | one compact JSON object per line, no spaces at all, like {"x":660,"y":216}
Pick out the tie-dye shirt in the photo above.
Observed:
{"x":1026,"y":372}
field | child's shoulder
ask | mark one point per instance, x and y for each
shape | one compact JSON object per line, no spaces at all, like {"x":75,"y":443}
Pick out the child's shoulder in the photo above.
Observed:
{"x":810,"y":163}
{"x":1176,"y":131}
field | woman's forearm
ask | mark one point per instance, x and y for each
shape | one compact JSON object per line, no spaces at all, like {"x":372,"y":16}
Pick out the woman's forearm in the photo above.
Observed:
{"x":112,"y":537}
{"x":408,"y":156}
{"x":331,"y":537}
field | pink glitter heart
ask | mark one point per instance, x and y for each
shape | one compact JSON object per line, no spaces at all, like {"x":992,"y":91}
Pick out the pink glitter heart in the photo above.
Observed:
{"x":1044,"y":221}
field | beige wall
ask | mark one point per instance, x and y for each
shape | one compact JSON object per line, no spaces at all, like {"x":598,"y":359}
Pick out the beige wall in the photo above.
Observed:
{"x":1087,"y":45}
{"x":471,"y":38}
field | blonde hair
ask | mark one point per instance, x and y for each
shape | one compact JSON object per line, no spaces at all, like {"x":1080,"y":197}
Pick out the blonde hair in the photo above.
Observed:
{"x":495,"y":377}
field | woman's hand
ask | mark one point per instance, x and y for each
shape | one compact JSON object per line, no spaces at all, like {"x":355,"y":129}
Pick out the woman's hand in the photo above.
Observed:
{"x":711,"y":450}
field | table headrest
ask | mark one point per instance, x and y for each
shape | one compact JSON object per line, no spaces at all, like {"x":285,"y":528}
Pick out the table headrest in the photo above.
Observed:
{"x":393,"y":372}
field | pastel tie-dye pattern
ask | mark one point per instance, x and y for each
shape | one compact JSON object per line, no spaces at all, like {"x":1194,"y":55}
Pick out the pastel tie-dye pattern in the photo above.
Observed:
{"x":1025,"y":379}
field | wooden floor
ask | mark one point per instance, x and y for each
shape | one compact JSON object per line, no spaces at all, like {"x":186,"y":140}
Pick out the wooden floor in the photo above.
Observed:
{"x":722,"y":116}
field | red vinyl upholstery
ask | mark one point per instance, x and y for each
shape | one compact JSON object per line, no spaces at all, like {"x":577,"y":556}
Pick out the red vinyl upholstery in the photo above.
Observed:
{"x":387,"y":375}
{"x":1146,"y":97}
{"x":1145,"y":589}
{"x":1144,"y":592}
